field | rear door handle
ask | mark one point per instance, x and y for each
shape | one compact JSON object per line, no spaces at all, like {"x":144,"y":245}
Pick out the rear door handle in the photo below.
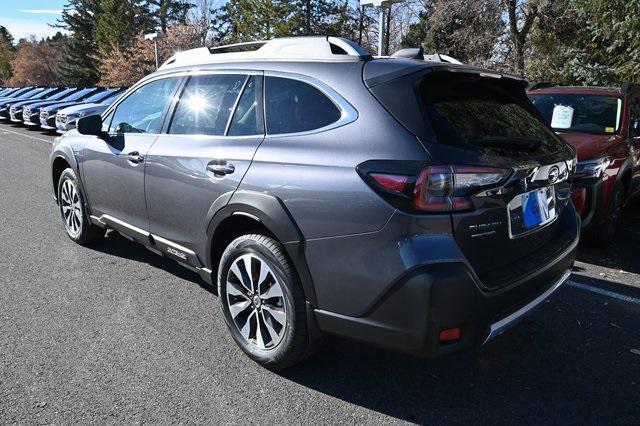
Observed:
{"x":221,"y":169}
{"x":135,"y":157}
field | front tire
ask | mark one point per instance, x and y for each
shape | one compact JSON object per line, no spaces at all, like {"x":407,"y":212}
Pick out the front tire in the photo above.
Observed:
{"x":73,"y":211}
{"x":262,"y":302}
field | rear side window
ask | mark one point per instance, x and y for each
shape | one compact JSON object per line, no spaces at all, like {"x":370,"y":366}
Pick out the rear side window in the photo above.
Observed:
{"x":475,"y":114}
{"x":248,"y":118}
{"x":206,"y":104}
{"x":294,"y":106}
{"x":143,"y":110}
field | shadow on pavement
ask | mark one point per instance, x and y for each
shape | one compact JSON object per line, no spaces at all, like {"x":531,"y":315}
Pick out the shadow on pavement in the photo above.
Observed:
{"x":624,"y":253}
{"x":116,"y":245}
{"x":575,"y":360}
{"x":571,"y":362}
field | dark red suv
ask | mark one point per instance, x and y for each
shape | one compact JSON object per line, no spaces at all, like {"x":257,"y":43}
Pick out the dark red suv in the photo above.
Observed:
{"x":603,"y":124}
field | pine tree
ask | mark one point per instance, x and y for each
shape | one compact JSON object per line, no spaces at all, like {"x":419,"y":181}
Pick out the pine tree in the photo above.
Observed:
{"x":6,"y":56}
{"x":118,"y":24}
{"x":7,"y":53}
{"x":6,"y":35}
{"x":79,"y":66}
{"x":594,"y":42}
{"x":321,"y":17}
{"x":250,"y":20}
{"x":166,"y":12}
{"x":468,"y":31}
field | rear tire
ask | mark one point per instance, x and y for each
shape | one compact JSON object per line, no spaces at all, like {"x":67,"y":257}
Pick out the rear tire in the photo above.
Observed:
{"x":603,"y":235}
{"x":262,"y":302}
{"x":73,"y":210}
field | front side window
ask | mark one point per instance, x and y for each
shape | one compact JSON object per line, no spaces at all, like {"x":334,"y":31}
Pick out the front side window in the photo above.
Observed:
{"x":294,"y":106}
{"x":143,"y":110}
{"x":580,"y":113}
{"x":206,"y":104}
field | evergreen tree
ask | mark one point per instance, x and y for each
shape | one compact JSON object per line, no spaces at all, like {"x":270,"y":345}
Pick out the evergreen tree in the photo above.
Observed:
{"x":607,"y":48}
{"x":324,"y":17}
{"x":250,"y":20}
{"x":118,"y":24}
{"x":6,"y":35}
{"x":595,"y":42}
{"x":79,"y":66}
{"x":6,"y":57}
{"x":467,"y":31}
{"x":166,"y":12}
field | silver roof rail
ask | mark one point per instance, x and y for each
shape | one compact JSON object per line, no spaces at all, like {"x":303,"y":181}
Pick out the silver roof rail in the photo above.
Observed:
{"x":319,"y":48}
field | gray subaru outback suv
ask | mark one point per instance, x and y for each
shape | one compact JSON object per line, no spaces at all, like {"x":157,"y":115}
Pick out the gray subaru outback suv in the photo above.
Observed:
{"x":415,"y":205}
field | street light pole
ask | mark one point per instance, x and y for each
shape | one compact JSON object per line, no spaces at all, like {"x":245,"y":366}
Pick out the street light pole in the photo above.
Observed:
{"x":380,"y":30}
{"x":381,"y":5}
{"x":155,"y":37}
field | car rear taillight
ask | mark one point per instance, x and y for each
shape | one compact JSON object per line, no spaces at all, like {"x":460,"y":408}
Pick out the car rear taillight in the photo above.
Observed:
{"x":435,"y":189}
{"x":441,"y":189}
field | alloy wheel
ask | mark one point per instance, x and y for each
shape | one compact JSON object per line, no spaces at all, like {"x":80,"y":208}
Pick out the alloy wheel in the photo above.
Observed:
{"x":71,"y":208}
{"x":256,"y":302}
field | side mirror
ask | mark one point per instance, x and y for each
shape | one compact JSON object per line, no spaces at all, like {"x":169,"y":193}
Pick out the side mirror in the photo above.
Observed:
{"x":90,"y":125}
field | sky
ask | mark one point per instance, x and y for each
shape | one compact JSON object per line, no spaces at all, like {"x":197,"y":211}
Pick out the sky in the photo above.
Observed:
{"x":24,"y":18}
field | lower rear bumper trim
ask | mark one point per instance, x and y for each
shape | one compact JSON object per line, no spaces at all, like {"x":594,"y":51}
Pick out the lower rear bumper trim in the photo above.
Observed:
{"x":504,"y":324}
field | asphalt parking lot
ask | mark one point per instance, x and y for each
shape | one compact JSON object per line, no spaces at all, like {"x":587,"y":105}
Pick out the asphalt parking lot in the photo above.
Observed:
{"x":116,"y":334}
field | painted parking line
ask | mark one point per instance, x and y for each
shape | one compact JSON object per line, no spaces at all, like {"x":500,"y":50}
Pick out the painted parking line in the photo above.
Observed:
{"x":604,"y":292}
{"x":3,"y":130}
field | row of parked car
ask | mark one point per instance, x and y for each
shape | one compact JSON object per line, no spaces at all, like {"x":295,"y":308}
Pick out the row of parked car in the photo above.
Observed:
{"x":54,"y":108}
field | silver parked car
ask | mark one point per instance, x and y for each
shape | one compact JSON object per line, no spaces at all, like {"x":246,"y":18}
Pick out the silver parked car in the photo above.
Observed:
{"x":94,"y":105}
{"x":418,"y":205}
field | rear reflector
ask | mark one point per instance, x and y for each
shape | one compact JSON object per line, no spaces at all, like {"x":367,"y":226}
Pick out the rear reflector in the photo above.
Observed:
{"x":450,"y":335}
{"x":396,"y":183}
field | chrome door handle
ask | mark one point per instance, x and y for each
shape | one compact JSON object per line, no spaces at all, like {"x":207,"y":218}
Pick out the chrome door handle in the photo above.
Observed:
{"x":135,"y":157}
{"x":221,"y":169}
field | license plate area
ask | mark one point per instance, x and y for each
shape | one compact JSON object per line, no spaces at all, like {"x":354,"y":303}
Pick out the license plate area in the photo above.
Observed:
{"x":531,"y":210}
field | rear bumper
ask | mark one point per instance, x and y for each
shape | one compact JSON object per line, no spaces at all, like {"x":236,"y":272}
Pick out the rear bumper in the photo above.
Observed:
{"x":440,"y":295}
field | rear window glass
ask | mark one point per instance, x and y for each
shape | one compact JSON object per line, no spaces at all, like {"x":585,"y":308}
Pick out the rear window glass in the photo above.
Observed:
{"x":471,"y":113}
{"x":294,"y":106}
{"x":580,"y":113}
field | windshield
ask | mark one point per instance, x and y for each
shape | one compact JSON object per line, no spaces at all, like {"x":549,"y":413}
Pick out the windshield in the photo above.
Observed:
{"x":98,"y":97}
{"x":580,"y":113}
{"x":478,"y":115}
{"x":78,"y":95}
{"x":43,"y":94}
{"x":62,"y":94}
{"x":31,"y":93}
{"x":21,"y":92}
{"x":111,"y":99}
